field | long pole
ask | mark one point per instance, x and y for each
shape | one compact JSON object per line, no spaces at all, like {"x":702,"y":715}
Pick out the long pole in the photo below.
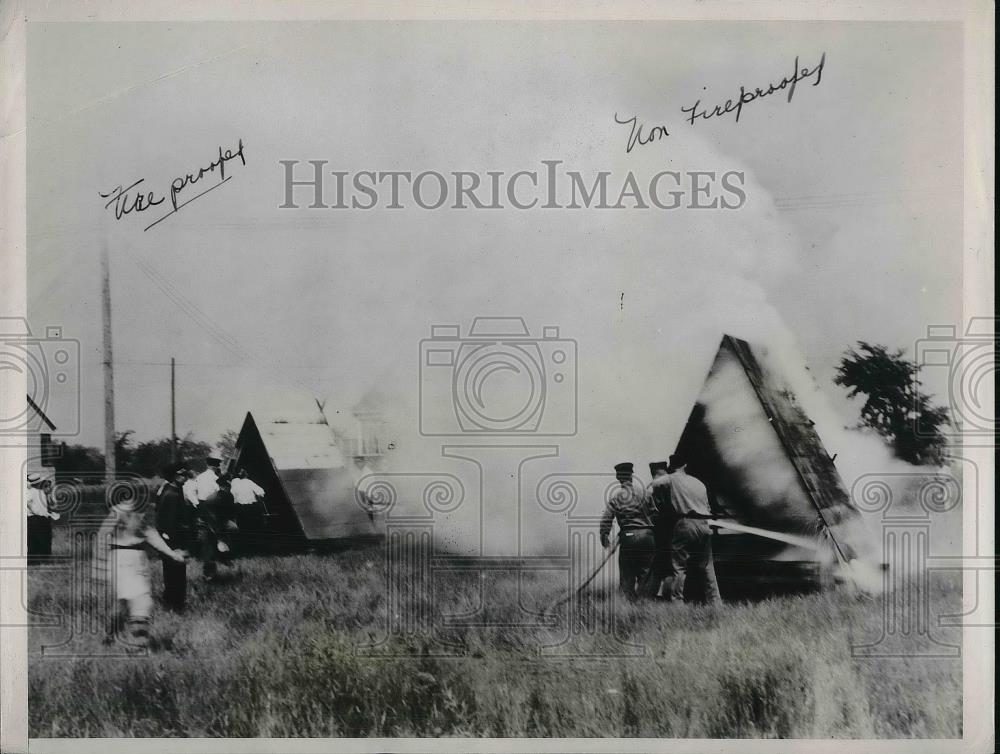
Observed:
{"x":109,"y":376}
{"x":173,"y":411}
{"x":607,"y":556}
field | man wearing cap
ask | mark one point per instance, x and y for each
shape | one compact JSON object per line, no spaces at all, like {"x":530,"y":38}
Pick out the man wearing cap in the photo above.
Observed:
{"x":174,"y":521}
{"x":663,"y":525}
{"x":691,"y":539}
{"x":39,"y":522}
{"x":631,"y":506}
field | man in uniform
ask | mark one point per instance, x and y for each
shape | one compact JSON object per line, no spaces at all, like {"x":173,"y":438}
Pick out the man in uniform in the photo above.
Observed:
{"x":663,"y":526}
{"x":691,"y":539}
{"x":631,"y":506}
{"x":174,"y":521}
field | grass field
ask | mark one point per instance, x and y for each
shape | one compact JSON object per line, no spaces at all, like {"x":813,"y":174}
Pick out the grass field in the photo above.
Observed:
{"x":276,"y":648}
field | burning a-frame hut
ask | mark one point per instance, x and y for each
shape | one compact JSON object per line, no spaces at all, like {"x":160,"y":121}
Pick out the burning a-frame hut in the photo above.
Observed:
{"x":759,"y":455}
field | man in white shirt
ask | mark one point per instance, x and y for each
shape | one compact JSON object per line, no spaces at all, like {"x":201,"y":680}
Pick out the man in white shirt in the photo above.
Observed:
{"x":207,"y":482}
{"x":35,"y":500}
{"x":39,"y":522}
{"x":685,"y":499}
{"x":245,"y":490}
{"x":249,"y":516}
{"x":190,"y":489}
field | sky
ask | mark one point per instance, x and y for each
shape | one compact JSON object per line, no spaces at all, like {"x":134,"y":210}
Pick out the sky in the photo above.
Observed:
{"x":851,"y":229}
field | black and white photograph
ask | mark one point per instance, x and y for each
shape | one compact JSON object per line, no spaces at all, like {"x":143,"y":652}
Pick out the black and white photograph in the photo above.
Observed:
{"x":525,"y":378}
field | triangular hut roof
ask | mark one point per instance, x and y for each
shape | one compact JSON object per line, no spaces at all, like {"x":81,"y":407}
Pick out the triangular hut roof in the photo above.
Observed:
{"x":757,"y":451}
{"x":310,"y":483}
{"x":297,"y":444}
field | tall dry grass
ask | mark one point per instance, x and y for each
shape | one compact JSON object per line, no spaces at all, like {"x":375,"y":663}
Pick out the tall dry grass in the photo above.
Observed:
{"x":283,"y":646}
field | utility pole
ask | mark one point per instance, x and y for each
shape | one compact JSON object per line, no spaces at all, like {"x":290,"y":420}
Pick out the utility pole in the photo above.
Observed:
{"x":109,"y":375}
{"x":173,"y":411}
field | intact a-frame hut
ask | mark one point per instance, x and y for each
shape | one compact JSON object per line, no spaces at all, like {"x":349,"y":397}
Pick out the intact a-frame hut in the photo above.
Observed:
{"x":308,"y":476}
{"x":759,"y":455}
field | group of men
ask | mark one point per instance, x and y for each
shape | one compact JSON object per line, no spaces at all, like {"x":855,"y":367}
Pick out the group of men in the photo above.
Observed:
{"x":193,"y":513}
{"x":664,"y":539}
{"x":196,"y":513}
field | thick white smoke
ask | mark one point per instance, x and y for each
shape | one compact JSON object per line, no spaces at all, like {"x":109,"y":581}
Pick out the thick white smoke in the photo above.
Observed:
{"x":646,"y":295}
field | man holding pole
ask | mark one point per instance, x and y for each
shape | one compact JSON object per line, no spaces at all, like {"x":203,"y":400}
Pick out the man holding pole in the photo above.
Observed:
{"x":631,"y":506}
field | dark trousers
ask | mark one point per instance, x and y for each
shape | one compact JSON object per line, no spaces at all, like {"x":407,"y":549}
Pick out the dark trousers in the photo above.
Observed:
{"x":208,"y":552}
{"x":39,"y":538}
{"x":660,"y":568}
{"x":250,"y":523}
{"x":691,"y":556}
{"x":635,"y":559}
{"x":174,"y":584}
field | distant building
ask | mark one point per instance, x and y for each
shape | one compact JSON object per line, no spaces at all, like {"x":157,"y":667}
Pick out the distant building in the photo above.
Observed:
{"x":366,"y":439}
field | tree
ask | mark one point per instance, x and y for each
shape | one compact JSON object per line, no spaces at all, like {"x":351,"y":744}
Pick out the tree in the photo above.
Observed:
{"x":894,"y":406}
{"x":226,"y":444}
{"x":78,"y":459}
{"x":148,"y":458}
{"x":124,"y":449}
{"x":151,"y":456}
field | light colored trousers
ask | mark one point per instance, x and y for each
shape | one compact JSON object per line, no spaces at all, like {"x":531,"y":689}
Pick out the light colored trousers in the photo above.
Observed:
{"x":691,"y":555}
